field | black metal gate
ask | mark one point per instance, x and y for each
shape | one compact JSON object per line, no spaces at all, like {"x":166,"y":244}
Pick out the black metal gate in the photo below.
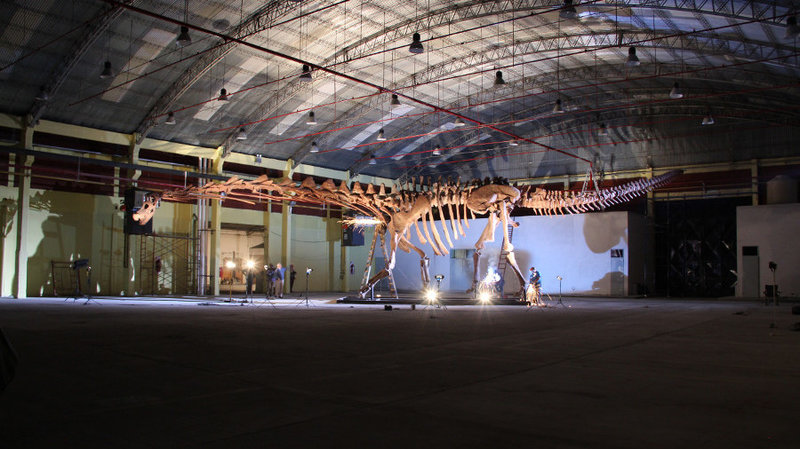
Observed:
{"x":696,"y":246}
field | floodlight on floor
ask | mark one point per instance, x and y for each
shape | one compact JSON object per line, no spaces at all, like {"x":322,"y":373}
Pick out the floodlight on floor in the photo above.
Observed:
{"x":485,"y":297}
{"x":183,"y":38}
{"x":395,"y":101}
{"x":314,"y":147}
{"x":107,"y":72}
{"x":170,"y":119}
{"x":431,"y":295}
{"x":381,"y":136}
{"x":676,"y":92}
{"x":498,"y":78}
{"x":306,"y":75}
{"x":223,"y":95}
{"x":633,"y":60}
{"x":792,"y":30}
{"x":568,"y":11}
{"x":416,"y":46}
{"x":311,"y":120}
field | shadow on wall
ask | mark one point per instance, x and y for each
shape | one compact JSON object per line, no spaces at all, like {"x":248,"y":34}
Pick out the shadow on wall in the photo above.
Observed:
{"x":613,"y":284}
{"x":70,"y":230}
{"x":602,"y":234}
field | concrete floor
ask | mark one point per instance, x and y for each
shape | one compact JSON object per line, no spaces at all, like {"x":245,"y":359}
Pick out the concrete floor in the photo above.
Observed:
{"x":630,"y":373}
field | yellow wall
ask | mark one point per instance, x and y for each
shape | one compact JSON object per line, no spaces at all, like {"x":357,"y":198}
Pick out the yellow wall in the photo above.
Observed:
{"x":65,"y":226}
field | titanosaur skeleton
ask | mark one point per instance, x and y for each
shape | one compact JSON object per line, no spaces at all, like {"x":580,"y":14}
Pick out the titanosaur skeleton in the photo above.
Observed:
{"x":413,"y":203}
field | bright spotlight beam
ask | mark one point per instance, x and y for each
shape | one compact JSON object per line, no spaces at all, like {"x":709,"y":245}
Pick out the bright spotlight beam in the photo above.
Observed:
{"x":430,"y":296}
{"x":485,"y":297}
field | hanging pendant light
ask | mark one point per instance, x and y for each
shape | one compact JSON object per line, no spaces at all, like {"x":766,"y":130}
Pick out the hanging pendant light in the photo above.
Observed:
{"x":513,"y":143}
{"x":395,"y":102}
{"x":106,"y":73}
{"x":311,"y":120}
{"x":241,"y":134}
{"x":568,"y":11}
{"x":557,"y":109}
{"x":306,"y":75}
{"x":372,"y":161}
{"x":437,"y":151}
{"x":603,"y":130}
{"x":708,"y":120}
{"x":498,"y":78}
{"x":183,"y":38}
{"x":633,"y":60}
{"x":381,"y":136}
{"x":792,"y":29}
{"x":170,"y":119}
{"x":458,"y":123}
{"x":416,"y":46}
{"x":314,"y":147}
{"x":223,"y":95}
{"x":676,"y":92}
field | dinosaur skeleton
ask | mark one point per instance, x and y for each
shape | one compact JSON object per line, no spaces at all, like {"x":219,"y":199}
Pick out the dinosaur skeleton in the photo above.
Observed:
{"x":413,"y":203}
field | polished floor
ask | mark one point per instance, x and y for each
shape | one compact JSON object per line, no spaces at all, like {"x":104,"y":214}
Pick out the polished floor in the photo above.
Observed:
{"x":599,"y":373}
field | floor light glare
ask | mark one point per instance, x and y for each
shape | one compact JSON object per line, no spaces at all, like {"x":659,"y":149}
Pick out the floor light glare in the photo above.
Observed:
{"x":430,"y":295}
{"x":485,"y":297}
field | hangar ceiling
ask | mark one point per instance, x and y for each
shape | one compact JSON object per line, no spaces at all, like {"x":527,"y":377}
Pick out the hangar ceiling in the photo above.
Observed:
{"x":516,"y":89}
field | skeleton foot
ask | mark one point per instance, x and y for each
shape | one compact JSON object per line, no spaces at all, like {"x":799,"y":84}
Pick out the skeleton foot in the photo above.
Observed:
{"x":374,"y":280}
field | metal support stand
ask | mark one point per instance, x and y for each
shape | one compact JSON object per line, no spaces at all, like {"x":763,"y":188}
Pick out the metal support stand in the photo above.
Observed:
{"x":559,"y":291}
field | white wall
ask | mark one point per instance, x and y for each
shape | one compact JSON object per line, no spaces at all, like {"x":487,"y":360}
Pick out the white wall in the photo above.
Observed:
{"x":576,"y":247}
{"x":774,"y":230}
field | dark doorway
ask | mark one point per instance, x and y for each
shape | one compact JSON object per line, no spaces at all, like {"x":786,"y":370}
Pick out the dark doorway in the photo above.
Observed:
{"x":696,"y":247}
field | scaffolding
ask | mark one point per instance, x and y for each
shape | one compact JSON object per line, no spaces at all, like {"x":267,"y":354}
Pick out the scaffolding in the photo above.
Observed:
{"x":167,"y":264}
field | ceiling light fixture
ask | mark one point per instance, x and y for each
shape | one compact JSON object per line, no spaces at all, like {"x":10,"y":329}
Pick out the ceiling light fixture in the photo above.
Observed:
{"x":603,"y":130}
{"x":223,"y":95}
{"x":676,"y":92}
{"x":707,"y":120}
{"x":241,"y":134}
{"x":498,"y":78}
{"x":314,"y":147}
{"x":306,"y":75}
{"x":458,"y":123}
{"x":381,"y":136}
{"x":183,"y":38}
{"x":557,"y":109}
{"x":395,"y":102}
{"x":416,"y":46}
{"x":372,"y":161}
{"x":437,"y":151}
{"x":258,"y":158}
{"x":513,"y":143}
{"x":170,"y":119}
{"x":311,"y":120}
{"x":568,"y":11}
{"x":106,"y":73}
{"x":792,"y":30}
{"x":633,"y":60}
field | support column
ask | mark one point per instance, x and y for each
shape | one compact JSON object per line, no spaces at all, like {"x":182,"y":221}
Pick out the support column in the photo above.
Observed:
{"x":22,"y":175}
{"x":215,"y":252}
{"x":754,"y":177}
{"x":266,"y":231}
{"x":329,"y":224}
{"x":651,"y":196}
{"x":286,"y":227}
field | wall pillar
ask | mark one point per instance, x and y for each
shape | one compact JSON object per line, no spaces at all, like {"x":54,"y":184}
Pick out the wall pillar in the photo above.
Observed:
{"x":215,"y":252}
{"x":754,"y":177}
{"x":22,"y":175}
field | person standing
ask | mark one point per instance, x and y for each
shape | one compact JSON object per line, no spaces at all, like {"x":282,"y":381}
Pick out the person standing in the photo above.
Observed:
{"x":277,"y":280}
{"x":292,"y":276}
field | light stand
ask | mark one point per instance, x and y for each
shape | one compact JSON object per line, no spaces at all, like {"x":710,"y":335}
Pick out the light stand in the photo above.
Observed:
{"x":308,"y":273}
{"x":559,"y":291}
{"x":230,"y":265}
{"x":772,"y":267}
